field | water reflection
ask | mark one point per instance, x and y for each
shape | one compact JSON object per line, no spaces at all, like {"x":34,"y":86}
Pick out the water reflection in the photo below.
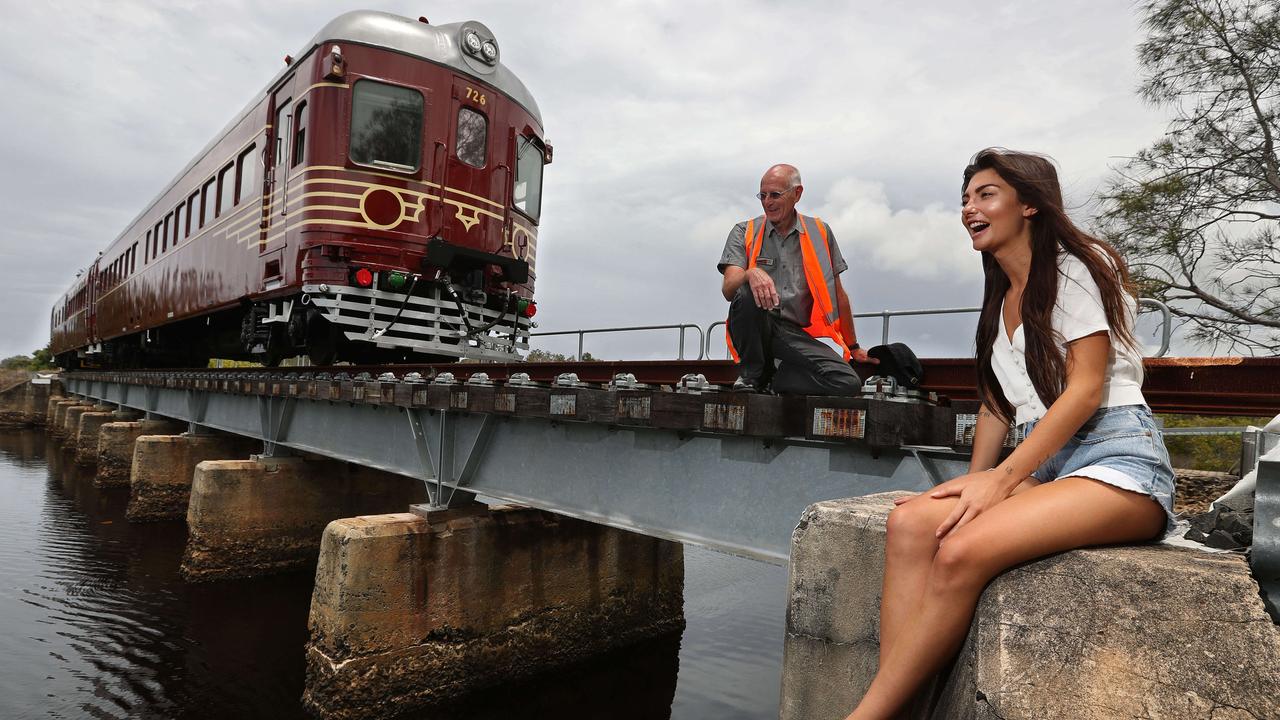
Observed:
{"x":95,"y":621}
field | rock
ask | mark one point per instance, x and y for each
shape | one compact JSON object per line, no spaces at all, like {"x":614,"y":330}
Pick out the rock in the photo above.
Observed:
{"x":1227,"y":526}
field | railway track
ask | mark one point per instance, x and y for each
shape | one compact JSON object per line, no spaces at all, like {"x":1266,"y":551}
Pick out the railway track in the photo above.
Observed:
{"x":1202,"y":386}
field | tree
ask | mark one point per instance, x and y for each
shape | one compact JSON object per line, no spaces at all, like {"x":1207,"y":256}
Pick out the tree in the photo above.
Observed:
{"x":1197,"y":213}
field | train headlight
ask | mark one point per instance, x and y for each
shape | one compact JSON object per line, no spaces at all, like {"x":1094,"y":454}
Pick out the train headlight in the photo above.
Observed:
{"x":490,"y":51}
{"x":472,"y":41}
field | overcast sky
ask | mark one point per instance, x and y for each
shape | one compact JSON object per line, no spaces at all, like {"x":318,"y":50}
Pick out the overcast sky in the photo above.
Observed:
{"x":663,"y":116}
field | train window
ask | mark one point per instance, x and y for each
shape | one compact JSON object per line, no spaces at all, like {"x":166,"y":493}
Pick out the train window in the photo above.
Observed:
{"x":208,"y":198}
{"x":225,"y":194}
{"x":146,"y":248}
{"x":281,"y":128}
{"x":133,"y":258}
{"x":177,"y":224}
{"x":473,"y":137}
{"x":164,"y":239}
{"x":193,"y":213}
{"x":527,"y":192}
{"x":299,"y":134}
{"x":247,"y":175}
{"x":386,"y":126}
{"x":155,"y":240}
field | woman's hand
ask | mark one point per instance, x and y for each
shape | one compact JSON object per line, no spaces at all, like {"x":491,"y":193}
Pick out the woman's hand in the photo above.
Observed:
{"x":978,"y":492}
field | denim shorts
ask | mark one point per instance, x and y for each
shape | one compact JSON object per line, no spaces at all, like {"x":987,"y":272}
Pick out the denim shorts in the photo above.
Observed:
{"x":1120,"y":446}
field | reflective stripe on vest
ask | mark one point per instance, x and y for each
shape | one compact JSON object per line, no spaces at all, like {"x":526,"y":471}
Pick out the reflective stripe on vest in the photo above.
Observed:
{"x":824,"y":317}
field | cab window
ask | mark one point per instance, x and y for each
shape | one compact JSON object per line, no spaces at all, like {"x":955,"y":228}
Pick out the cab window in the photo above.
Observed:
{"x":527,"y":193}
{"x":386,"y":126}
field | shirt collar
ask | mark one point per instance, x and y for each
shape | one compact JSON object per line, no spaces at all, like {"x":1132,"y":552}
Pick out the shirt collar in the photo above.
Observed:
{"x":795,"y":228}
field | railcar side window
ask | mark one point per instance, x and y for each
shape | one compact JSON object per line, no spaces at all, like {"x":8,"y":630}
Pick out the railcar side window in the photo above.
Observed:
{"x":248,"y":173}
{"x":177,"y":224}
{"x":527,"y":193}
{"x":192,"y":213}
{"x":299,"y":134}
{"x":225,"y":190}
{"x":473,"y":137}
{"x":386,"y":125}
{"x":208,"y":198}
{"x":155,"y":240}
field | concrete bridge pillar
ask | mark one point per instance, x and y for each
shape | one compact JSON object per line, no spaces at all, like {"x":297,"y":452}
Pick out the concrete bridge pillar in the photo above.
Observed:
{"x":116,"y":441}
{"x":58,"y":426}
{"x":90,"y":427}
{"x":411,"y":611}
{"x":1151,"y":631}
{"x":51,"y":408}
{"x":161,"y":466}
{"x":266,"y":515}
{"x":71,"y":422}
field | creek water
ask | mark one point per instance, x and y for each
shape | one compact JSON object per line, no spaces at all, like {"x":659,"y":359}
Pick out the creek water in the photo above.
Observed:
{"x":96,"y":622}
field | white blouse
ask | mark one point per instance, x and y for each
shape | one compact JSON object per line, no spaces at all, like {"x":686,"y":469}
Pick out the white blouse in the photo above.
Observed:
{"x":1079,"y":312}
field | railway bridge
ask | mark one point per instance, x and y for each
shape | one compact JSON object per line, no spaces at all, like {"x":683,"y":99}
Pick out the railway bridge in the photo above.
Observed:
{"x":398,"y":480}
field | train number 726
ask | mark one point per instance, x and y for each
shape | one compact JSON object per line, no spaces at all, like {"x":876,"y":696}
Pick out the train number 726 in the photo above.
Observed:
{"x":474,"y":96}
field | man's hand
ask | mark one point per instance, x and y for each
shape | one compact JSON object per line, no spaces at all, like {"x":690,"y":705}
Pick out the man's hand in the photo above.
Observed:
{"x":861,"y":356}
{"x":762,"y":288}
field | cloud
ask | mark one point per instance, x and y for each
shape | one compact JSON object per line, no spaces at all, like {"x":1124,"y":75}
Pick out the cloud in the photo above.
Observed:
{"x":924,"y":244}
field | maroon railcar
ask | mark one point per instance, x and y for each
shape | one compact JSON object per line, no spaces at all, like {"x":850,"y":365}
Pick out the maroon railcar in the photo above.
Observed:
{"x":379,"y":201}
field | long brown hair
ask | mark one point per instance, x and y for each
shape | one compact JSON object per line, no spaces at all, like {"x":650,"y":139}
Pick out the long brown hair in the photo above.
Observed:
{"x":1035,"y":181}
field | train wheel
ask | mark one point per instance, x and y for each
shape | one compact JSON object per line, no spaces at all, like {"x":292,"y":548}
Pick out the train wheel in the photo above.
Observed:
{"x":322,"y":339}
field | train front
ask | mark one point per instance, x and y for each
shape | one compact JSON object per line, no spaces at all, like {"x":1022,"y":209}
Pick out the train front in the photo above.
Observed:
{"x":417,"y":212}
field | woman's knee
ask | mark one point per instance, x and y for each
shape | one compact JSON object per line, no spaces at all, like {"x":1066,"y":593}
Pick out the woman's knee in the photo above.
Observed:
{"x":960,"y":564}
{"x":911,"y":526}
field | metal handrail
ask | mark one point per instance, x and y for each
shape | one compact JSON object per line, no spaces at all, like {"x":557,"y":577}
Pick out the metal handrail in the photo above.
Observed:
{"x":885,"y":315}
{"x":682,"y":327}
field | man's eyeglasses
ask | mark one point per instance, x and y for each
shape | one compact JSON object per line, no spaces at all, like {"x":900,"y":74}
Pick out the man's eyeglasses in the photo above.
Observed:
{"x":773,"y":194}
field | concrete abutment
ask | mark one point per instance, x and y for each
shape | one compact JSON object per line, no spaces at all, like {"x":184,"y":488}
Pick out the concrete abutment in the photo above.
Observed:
{"x":1151,"y":631}
{"x":266,"y":515}
{"x":409,"y":612}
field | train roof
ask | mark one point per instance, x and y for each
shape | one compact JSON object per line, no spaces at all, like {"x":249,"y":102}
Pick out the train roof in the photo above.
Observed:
{"x":434,"y":43}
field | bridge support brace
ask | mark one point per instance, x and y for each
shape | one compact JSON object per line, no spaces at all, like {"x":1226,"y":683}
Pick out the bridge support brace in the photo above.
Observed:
{"x":412,"y":611}
{"x":266,"y":515}
{"x":1137,"y":631}
{"x":161,"y":466}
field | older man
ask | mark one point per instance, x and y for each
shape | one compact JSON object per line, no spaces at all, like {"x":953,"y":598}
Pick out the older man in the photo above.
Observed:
{"x":781,"y":278}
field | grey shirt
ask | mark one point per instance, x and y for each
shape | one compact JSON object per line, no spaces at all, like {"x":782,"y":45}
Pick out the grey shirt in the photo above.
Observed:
{"x":781,"y":258}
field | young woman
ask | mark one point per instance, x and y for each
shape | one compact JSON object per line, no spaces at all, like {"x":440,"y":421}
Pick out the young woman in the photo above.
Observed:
{"x":1057,"y":357}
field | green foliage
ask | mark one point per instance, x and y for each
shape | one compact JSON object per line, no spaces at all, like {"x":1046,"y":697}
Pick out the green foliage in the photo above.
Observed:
{"x":1220,"y":453}
{"x":1196,"y":212}
{"x":544,"y":356}
{"x":41,"y":359}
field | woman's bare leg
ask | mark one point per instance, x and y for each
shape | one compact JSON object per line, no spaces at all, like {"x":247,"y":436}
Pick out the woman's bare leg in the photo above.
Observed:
{"x":1062,"y":515}
{"x":910,"y":545}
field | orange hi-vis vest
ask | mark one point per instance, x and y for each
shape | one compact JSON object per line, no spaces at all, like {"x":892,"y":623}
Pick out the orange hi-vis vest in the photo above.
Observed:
{"x":824,"y":317}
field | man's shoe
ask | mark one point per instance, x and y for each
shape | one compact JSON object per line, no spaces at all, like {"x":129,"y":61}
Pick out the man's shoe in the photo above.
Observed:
{"x":744,"y":385}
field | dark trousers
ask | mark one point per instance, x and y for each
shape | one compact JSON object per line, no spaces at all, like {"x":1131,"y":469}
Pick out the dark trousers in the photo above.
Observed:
{"x":773,"y":350}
